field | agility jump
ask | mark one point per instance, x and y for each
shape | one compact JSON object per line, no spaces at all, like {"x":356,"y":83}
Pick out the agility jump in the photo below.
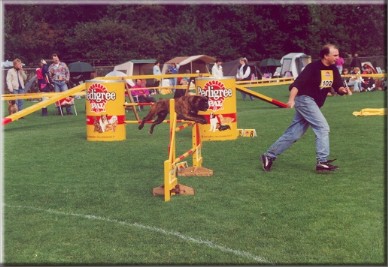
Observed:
{"x":170,"y":185}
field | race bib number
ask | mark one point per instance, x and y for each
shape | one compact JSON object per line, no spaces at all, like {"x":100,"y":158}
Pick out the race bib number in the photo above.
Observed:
{"x":327,"y":79}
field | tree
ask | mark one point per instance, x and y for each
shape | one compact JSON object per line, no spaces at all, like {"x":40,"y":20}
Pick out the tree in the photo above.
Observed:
{"x":118,"y":33}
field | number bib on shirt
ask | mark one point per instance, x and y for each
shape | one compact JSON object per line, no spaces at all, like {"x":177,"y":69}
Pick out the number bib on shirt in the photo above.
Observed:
{"x":327,"y":79}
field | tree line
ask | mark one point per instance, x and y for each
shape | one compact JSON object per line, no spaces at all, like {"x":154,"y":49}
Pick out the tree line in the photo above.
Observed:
{"x":111,"y":34}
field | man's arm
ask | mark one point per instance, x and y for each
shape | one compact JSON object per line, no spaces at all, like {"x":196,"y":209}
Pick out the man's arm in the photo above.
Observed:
{"x":291,"y":98}
{"x":9,"y":81}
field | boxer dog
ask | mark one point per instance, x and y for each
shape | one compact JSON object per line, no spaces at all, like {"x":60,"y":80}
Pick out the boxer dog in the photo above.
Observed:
{"x":186,"y":107}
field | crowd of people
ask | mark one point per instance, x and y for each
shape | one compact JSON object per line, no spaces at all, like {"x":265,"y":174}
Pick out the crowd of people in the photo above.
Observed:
{"x":55,"y":77}
{"x":355,"y":77}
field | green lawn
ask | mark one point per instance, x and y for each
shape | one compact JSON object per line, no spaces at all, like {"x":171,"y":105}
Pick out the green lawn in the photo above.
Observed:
{"x":73,"y":201}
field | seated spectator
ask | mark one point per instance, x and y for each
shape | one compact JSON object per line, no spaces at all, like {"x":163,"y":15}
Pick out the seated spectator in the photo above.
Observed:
{"x":368,"y":83}
{"x":141,"y":94}
{"x":356,"y":80}
{"x":345,"y":77}
{"x":345,"y":80}
{"x":267,"y":75}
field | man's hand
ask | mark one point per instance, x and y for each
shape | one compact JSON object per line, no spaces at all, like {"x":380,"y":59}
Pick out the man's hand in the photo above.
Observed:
{"x":343,"y":90}
{"x":291,"y":98}
{"x":291,"y":104}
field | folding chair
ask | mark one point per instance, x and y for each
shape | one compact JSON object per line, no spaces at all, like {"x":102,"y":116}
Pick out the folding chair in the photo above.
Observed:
{"x":65,"y":102}
{"x":131,"y":100}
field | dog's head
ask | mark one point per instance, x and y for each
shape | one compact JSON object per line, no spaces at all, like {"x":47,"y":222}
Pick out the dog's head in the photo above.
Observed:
{"x":201,"y":103}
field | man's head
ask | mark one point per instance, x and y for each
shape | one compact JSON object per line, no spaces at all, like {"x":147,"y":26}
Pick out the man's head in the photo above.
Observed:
{"x":55,"y":58}
{"x":329,"y":54}
{"x":17,"y":64}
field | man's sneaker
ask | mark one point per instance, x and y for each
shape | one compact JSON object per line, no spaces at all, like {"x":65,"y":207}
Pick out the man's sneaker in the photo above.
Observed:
{"x":266,"y":162}
{"x":325,"y":166}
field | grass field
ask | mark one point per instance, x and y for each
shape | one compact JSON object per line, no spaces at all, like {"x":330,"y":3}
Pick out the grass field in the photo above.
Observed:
{"x":72,"y":201}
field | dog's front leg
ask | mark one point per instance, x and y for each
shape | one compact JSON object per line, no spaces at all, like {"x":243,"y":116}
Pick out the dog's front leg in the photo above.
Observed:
{"x":197,"y":118}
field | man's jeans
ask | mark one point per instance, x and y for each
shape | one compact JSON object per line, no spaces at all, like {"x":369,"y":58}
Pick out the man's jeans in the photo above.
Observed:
{"x":19,"y":102}
{"x":60,"y":86}
{"x":307,"y":113}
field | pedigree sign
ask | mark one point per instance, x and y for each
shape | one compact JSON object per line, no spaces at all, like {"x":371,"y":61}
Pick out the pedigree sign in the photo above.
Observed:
{"x":105,"y":112}
{"x":98,"y":95}
{"x":216,"y":92}
{"x":221,"y":115}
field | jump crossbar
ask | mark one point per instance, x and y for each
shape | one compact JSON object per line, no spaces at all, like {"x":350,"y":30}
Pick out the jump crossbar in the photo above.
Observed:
{"x":165,"y":121}
{"x":138,"y":104}
{"x":184,"y":126}
{"x":186,"y":154}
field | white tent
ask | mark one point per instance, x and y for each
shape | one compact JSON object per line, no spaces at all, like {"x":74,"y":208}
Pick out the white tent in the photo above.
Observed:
{"x":198,"y":62}
{"x":8,"y":64}
{"x":117,"y":73}
{"x":293,"y":64}
{"x":136,"y":67}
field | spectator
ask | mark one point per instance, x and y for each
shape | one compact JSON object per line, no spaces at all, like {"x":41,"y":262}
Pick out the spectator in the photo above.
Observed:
{"x":15,"y":81}
{"x":141,"y":94}
{"x":217,"y":69}
{"x":244,"y":74}
{"x":345,"y":77}
{"x":185,"y":81}
{"x":345,"y":80}
{"x":368,"y":83}
{"x":173,"y":69}
{"x":356,"y":80}
{"x":356,"y":62}
{"x":60,"y":76}
{"x":43,"y":81}
{"x":156,"y":71}
{"x":339,"y":63}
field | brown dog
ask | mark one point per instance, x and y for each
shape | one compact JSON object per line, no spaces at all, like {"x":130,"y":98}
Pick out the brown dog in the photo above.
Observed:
{"x":186,"y":107}
{"x":12,"y":107}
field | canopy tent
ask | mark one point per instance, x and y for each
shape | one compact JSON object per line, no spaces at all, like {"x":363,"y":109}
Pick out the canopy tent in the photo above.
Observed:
{"x":269,"y":65}
{"x":136,"y":67}
{"x":117,"y":73}
{"x":8,"y":64}
{"x":293,"y":64}
{"x":198,"y":62}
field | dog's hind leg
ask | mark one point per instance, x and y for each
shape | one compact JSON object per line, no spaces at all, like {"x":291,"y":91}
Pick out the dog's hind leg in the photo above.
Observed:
{"x":148,"y":117}
{"x":161,"y":116}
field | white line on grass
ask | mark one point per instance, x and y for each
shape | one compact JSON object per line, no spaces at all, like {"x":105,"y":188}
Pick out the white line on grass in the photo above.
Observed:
{"x":210,"y":244}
